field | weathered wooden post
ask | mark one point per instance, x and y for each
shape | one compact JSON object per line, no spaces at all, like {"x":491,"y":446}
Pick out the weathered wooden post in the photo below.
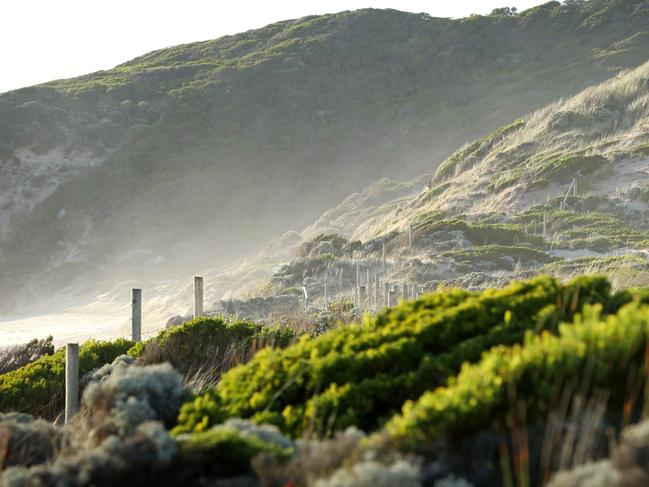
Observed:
{"x":404,"y":291}
{"x":377,"y":292}
{"x":198,"y":296}
{"x":136,"y":315}
{"x":71,"y":380}
{"x":368,"y":287}
{"x":357,"y":298}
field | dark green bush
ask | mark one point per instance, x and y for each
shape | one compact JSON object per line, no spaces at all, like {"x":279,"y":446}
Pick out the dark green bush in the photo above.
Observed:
{"x":224,"y":452}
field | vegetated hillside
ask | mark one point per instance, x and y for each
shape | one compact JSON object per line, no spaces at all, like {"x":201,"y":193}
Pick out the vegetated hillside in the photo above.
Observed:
{"x":196,"y":153}
{"x":479,"y":221}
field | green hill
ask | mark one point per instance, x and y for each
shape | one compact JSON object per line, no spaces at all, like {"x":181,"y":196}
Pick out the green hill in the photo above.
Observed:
{"x":189,"y":156}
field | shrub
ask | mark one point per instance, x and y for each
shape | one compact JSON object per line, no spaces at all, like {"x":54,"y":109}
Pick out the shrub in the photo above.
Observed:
{"x":360,"y":375}
{"x":313,"y":460}
{"x":478,"y":395}
{"x":203,"y":348}
{"x":141,"y":459}
{"x":370,"y":473}
{"x":17,"y":356}
{"x":25,"y":441}
{"x":37,"y":388}
{"x":119,"y":399}
{"x":228,"y":449}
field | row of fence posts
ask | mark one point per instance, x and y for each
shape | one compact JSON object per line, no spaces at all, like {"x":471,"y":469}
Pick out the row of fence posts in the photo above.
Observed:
{"x":72,"y":349}
{"x":375,"y":292}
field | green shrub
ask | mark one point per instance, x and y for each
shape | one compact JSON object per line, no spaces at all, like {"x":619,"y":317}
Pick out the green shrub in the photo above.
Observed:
{"x":224,"y":451}
{"x":38,"y":388}
{"x":481,"y":233}
{"x":501,"y":255}
{"x":360,"y":375}
{"x":568,"y":166}
{"x":479,"y":394}
{"x":206,"y":346}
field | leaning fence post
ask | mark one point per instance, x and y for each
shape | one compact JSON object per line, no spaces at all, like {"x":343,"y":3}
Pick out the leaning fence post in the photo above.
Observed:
{"x":136,"y":315}
{"x":71,"y":380}
{"x":198,"y":296}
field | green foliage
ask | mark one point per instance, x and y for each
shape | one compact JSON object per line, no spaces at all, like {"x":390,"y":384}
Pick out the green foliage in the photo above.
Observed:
{"x":360,"y":375}
{"x":37,"y":388}
{"x":210,"y":343}
{"x":225,"y":452}
{"x":479,"y":394}
{"x":480,"y":233}
{"x":504,"y":257}
{"x":568,"y":166}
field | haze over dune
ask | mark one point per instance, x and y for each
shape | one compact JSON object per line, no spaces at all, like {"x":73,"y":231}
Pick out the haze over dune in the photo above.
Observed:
{"x":187,"y":158}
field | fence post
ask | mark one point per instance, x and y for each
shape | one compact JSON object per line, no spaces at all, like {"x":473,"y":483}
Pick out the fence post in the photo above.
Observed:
{"x":404,"y":292}
{"x":198,"y":296}
{"x":71,"y":380}
{"x":136,"y":315}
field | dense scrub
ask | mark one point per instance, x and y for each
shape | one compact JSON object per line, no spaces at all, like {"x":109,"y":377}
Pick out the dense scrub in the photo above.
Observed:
{"x":360,"y":375}
{"x":606,"y":349}
{"x":37,"y":388}
{"x":202,"y":348}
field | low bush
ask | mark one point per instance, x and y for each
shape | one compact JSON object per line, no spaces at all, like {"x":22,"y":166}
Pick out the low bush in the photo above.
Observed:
{"x":228,"y":449}
{"x":17,"y":356}
{"x":478,"y":396}
{"x":360,"y":375}
{"x":203,"y":348}
{"x":38,"y":387}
